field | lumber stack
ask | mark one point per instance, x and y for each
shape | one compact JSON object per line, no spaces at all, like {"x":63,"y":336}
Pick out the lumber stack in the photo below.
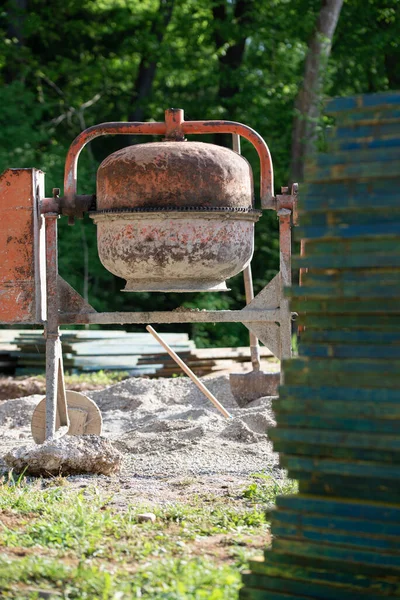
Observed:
{"x":137,"y":353}
{"x":338,"y":415}
{"x":204,"y":361}
{"x":94,"y":350}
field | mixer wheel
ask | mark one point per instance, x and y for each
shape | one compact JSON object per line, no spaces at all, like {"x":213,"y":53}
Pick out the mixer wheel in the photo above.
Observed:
{"x":84,"y":416}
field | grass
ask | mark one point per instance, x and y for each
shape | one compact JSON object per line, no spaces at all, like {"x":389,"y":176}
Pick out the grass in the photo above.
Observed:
{"x":57,"y":542}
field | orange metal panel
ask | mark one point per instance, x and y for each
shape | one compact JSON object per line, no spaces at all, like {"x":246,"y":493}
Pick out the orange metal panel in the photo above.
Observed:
{"x":20,"y":240}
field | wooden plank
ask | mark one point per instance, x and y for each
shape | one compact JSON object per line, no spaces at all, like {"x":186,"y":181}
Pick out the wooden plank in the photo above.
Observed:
{"x":359,"y":413}
{"x":379,"y":228}
{"x":349,"y":261}
{"x":310,"y":589}
{"x":338,"y":421}
{"x":335,"y":372}
{"x":335,"y":453}
{"x":342,"y":306}
{"x":354,"y":321}
{"x":355,"y":156}
{"x":347,"y":487}
{"x":345,"y":436}
{"x":389,"y":562}
{"x":366,"y":469}
{"x":328,"y":505}
{"x":341,"y":106}
{"x":248,"y":593}
{"x":346,"y":394}
{"x":297,"y":571}
{"x":382,"y":351}
{"x":360,"y":292}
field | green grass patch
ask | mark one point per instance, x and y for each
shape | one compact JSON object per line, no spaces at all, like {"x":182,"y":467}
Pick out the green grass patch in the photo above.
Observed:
{"x":266,"y":488}
{"x":78,"y":546}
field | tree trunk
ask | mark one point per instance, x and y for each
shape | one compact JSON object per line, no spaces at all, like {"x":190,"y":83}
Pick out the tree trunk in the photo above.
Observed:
{"x":307,"y":105}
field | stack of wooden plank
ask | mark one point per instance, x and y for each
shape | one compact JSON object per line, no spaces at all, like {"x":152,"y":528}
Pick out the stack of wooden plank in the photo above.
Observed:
{"x":338,"y":415}
{"x":136,"y":353}
{"x":204,"y":361}
{"x":94,"y":350}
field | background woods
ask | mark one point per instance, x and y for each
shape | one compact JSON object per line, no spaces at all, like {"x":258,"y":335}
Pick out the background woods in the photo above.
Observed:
{"x":68,"y":64}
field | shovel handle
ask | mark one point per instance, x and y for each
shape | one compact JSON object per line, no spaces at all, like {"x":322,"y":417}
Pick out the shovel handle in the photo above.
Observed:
{"x":189,"y":372}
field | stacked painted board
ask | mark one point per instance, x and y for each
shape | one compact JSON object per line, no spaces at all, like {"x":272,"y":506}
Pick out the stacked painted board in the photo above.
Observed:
{"x":92,"y":350}
{"x":338,"y":415}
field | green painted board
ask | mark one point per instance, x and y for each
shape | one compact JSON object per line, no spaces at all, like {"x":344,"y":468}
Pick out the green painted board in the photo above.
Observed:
{"x":310,"y":588}
{"x":350,"y":487}
{"x":378,"y":322}
{"x":334,"y":394}
{"x":360,"y":291}
{"x":391,"y":562}
{"x":367,"y":542}
{"x":335,"y":453}
{"x":344,"y":438}
{"x":275,"y":556}
{"x":347,"y":277}
{"x":358,"y":415}
{"x":248,"y":593}
{"x":343,"y":351}
{"x":334,"y":524}
{"x":365,"y":469}
{"x":328,"y":506}
{"x":345,"y":106}
{"x":346,"y":305}
{"x":342,"y":230}
{"x":362,"y":171}
{"x":365,"y":245}
{"x":344,"y":337}
{"x":349,"y":261}
{"x":336,"y":372}
{"x":310,"y":572}
{"x":347,"y":219}
{"x":354,"y":156}
{"x":322,"y":418}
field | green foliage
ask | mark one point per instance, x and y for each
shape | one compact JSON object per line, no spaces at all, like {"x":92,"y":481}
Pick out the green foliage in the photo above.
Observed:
{"x":67,"y":64}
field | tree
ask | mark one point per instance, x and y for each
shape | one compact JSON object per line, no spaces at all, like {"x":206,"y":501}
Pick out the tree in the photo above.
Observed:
{"x":308,"y":101}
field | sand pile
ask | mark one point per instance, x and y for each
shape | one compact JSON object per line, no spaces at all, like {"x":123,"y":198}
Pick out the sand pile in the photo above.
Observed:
{"x":167,"y":428}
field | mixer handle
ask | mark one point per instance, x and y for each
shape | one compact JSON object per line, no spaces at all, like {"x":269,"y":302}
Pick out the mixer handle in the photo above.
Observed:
{"x":174,"y":129}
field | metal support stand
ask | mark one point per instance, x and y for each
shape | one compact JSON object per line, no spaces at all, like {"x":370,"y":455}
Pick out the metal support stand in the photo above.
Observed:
{"x":56,"y":405}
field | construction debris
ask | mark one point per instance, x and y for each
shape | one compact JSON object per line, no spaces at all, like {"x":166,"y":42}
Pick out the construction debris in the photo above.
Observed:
{"x":69,"y":455}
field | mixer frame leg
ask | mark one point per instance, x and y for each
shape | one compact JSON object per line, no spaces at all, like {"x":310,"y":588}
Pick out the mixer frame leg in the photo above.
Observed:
{"x":55,"y":390}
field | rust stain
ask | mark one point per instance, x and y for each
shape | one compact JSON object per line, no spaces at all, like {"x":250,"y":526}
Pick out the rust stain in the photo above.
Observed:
{"x":17,"y":258}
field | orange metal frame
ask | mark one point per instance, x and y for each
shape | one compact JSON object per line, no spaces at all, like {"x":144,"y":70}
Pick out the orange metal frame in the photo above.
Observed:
{"x":174,"y":128}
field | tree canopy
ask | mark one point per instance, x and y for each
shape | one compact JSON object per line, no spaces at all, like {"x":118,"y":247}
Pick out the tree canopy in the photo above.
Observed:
{"x":68,"y":64}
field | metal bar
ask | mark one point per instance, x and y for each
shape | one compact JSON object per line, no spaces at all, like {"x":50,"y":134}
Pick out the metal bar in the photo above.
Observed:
{"x":248,"y":286}
{"x":51,"y":330}
{"x":61,"y":395}
{"x":178,"y":127}
{"x":201,"y":316}
{"x":285,"y":255}
{"x":190,"y":373}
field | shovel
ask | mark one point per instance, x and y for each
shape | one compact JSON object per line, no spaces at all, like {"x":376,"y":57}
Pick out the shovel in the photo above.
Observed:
{"x":246,"y":387}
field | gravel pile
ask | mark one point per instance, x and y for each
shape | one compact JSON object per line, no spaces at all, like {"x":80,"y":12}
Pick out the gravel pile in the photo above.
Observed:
{"x":167,"y":428}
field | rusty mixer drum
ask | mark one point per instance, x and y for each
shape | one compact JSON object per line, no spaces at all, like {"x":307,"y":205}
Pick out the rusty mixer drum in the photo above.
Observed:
{"x":175,"y":216}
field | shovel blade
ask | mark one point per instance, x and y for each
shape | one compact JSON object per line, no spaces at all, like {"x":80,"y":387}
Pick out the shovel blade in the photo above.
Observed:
{"x":250,"y":386}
